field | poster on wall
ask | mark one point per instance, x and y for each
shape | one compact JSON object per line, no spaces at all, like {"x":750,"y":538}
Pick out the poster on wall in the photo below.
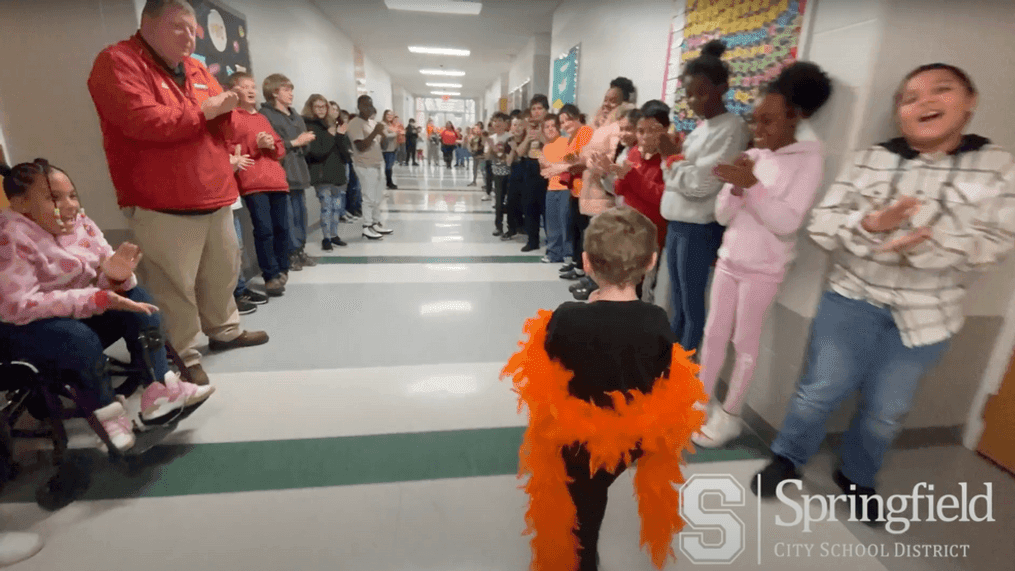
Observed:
{"x":221,"y":39}
{"x":761,"y":38}
{"x":565,"y":78}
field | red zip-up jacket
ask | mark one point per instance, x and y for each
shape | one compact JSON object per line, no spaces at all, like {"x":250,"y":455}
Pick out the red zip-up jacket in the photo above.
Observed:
{"x":643,"y":187}
{"x":267,"y":174}
{"x":162,"y":152}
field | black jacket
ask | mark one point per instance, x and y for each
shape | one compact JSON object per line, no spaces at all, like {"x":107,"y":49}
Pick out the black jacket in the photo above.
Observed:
{"x":326,"y":155}
{"x":289,"y":127}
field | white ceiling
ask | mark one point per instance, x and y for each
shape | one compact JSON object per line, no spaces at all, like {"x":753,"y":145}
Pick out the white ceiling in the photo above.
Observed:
{"x":495,"y":36}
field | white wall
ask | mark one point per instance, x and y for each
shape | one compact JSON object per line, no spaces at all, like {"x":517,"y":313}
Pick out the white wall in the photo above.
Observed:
{"x":617,"y":39}
{"x":46,"y":111}
{"x":378,"y":84}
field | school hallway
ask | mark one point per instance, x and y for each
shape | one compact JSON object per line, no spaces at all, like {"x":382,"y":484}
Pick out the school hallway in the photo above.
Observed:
{"x":372,"y":433}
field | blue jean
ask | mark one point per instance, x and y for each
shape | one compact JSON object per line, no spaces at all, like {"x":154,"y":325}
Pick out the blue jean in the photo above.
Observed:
{"x":691,"y":251}
{"x":854,"y":346}
{"x":241,"y":282}
{"x":353,"y":193}
{"x":558,"y":225}
{"x":389,"y":164}
{"x":269,"y":215}
{"x":76,"y":346}
{"x":332,"y":199}
{"x":298,"y":218}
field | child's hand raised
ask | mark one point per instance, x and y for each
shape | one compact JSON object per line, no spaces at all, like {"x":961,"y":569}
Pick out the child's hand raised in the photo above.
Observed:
{"x":121,"y":265}
{"x":892,"y":217}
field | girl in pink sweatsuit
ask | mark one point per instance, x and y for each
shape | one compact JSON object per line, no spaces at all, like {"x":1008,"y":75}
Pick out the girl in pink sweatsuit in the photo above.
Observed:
{"x":767,"y":194}
{"x":65,"y":296}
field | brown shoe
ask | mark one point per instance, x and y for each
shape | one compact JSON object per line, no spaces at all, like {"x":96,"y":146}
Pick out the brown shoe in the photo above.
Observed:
{"x":274,"y":287}
{"x":196,"y":375}
{"x":246,"y":339}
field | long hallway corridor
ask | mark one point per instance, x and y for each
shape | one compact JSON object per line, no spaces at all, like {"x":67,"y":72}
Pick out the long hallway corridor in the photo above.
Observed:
{"x":372,"y":432}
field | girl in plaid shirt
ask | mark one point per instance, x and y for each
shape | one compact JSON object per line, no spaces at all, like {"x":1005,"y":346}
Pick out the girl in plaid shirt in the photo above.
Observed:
{"x":908,"y":223}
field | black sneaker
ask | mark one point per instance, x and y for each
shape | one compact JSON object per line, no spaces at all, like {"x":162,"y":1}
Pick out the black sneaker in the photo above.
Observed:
{"x":529,"y":248}
{"x":497,"y":232}
{"x":509,"y":236}
{"x":567,"y":267}
{"x":253,"y":297}
{"x":245,"y":307}
{"x":778,"y":470}
{"x":574,"y":274}
{"x":584,"y":293}
{"x":326,"y":245}
{"x":860,"y":493}
{"x":338,"y":242}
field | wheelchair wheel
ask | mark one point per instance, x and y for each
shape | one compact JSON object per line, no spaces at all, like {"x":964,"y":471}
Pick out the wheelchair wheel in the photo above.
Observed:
{"x":68,"y":484}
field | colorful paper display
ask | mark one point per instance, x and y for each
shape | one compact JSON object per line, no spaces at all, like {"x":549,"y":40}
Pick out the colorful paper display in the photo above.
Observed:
{"x":761,"y":38}
{"x":565,"y":78}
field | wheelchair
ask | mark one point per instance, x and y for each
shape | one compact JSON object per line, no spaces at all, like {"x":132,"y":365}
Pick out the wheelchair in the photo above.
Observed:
{"x":44,"y":394}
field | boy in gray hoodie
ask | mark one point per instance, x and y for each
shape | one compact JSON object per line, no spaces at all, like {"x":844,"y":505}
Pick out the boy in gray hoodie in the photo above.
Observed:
{"x":277,"y":108}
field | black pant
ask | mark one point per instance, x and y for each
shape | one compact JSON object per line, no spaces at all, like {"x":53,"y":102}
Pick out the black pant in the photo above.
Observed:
{"x":579,"y":222}
{"x":410,"y":151}
{"x":589,"y":493}
{"x":489,"y":178}
{"x":515,"y":219}
{"x":533,"y":199}
{"x":449,"y":151}
{"x":499,"y":206}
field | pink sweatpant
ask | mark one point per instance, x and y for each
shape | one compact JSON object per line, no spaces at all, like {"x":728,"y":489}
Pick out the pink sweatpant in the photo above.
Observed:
{"x":738,"y":306}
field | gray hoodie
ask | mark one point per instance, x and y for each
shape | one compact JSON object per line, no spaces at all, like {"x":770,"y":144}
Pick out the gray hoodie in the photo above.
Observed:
{"x":289,"y":127}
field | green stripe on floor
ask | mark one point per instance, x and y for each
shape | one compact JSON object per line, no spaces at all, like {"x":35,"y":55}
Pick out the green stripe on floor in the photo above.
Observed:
{"x":178,"y":470}
{"x":428,"y":260}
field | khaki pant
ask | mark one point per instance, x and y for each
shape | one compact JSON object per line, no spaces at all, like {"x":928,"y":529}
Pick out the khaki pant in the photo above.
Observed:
{"x":190,"y":266}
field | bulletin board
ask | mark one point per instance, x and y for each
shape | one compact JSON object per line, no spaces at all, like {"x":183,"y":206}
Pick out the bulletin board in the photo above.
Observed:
{"x":565,"y":78}
{"x":222,"y":39}
{"x":761,"y":36}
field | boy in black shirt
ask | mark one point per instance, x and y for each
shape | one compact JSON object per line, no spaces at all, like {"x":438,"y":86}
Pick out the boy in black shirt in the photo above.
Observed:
{"x":601,"y":367}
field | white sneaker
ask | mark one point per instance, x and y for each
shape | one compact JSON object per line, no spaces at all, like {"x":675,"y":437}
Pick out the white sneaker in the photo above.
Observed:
{"x":16,"y":547}
{"x":370,"y":233}
{"x":380,"y":229}
{"x":119,"y":428}
{"x":486,"y":198}
{"x":719,"y":430}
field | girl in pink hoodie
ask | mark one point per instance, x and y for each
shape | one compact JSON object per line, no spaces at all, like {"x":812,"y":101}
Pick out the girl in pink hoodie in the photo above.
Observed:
{"x":768,"y":191}
{"x":65,"y":296}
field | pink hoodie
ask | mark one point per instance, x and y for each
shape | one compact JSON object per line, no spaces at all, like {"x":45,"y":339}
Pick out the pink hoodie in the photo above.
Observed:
{"x":762,"y":225}
{"x":44,"y":276}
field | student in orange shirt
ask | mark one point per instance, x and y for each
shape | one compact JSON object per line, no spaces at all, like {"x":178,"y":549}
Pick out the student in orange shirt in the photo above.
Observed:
{"x":552,"y":165}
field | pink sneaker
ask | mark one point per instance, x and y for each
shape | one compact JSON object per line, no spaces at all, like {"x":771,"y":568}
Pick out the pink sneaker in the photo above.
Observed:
{"x":119,"y":428}
{"x":162,"y":402}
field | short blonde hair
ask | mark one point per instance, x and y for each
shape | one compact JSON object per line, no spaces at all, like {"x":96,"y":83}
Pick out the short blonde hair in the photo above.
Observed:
{"x":272,"y":84}
{"x":239,"y":76}
{"x":620,"y":243}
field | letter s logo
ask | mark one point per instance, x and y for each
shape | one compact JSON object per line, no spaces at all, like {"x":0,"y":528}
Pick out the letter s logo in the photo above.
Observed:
{"x":732,"y":538}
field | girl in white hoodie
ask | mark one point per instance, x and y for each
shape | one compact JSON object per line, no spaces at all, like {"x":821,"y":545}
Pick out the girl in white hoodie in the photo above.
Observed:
{"x":768,"y":190}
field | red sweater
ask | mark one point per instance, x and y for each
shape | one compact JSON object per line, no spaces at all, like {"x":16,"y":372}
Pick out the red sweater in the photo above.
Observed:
{"x":643,"y":187}
{"x":162,"y":153}
{"x":267,"y":174}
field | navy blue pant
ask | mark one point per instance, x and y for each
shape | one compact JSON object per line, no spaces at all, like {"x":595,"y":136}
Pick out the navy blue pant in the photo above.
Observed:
{"x":354,"y":194}
{"x":76,"y":346}
{"x":389,"y":164}
{"x":269,"y":216}
{"x":533,"y":199}
{"x":513,"y":202}
{"x":691,"y":251}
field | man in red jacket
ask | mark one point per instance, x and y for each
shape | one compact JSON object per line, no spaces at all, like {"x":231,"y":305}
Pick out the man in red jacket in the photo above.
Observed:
{"x":165,"y":121}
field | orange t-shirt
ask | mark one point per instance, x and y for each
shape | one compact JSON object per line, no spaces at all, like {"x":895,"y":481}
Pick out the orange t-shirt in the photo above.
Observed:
{"x":575,"y":147}
{"x":554,"y":152}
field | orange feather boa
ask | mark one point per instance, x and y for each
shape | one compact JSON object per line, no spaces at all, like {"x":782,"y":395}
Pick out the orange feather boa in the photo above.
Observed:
{"x":661,"y":421}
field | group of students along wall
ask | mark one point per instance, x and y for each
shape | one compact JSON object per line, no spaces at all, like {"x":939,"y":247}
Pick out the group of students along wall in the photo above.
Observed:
{"x":909,"y":222}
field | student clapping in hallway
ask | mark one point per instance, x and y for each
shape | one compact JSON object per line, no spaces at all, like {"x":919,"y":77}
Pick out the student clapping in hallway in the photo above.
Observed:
{"x":694,"y":236}
{"x":768,"y":191}
{"x":278,"y":97}
{"x":572,"y":124}
{"x":365,"y":134}
{"x":908,"y":223}
{"x":327,"y":161}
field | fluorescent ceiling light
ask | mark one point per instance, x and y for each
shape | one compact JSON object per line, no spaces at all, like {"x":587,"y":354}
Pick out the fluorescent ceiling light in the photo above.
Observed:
{"x":460,"y":7}
{"x":445,"y":72}
{"x":439,"y":51}
{"x":445,"y":92}
{"x":454,"y":85}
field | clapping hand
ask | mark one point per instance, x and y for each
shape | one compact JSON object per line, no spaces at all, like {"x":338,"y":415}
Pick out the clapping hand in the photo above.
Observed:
{"x":265,"y":140}
{"x":907,"y":242}
{"x":239,"y":160}
{"x":220,"y":104}
{"x":304,"y":139}
{"x":892,"y":217}
{"x":121,"y":265}
{"x":740,"y":174}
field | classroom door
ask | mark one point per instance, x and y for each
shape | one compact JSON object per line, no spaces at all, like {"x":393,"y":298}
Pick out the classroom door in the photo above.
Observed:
{"x":998,"y":440}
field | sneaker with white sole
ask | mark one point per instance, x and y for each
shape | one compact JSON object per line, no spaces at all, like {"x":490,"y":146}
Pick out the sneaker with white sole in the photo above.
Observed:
{"x":381,"y":229}
{"x":163,"y":402}
{"x":16,"y":547}
{"x":371,"y":234}
{"x":719,"y":430}
{"x":113,"y":418}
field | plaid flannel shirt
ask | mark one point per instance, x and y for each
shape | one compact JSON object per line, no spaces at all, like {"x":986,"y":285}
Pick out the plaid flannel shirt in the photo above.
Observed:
{"x":967,"y":199}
